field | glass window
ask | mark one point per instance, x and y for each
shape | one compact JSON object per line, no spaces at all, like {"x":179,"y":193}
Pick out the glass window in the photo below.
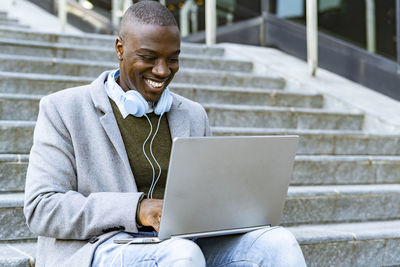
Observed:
{"x":228,"y":11}
{"x":347,"y":20}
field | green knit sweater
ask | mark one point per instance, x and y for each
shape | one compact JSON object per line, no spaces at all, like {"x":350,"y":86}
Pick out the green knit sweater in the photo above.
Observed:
{"x":134,"y":132}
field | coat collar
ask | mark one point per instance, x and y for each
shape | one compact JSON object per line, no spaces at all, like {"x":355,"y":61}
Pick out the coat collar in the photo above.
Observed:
{"x":178,"y":116}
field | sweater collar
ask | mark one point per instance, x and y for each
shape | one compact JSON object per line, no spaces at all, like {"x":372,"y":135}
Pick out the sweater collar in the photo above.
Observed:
{"x":178,"y":116}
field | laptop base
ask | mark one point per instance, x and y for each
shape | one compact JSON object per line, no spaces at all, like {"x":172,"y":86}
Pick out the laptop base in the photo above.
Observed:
{"x":155,"y":240}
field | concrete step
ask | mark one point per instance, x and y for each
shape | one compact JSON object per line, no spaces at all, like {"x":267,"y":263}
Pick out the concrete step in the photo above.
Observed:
{"x":374,"y":243}
{"x":97,"y":40}
{"x":341,"y":203}
{"x":3,"y":15}
{"x":344,"y":244}
{"x":327,"y":142}
{"x":102,"y":40}
{"x":18,"y":254}
{"x":316,"y":170}
{"x":247,"y":96}
{"x":26,"y":107}
{"x":16,"y":136}
{"x":308,"y":170}
{"x":7,"y":19}
{"x":281,"y":117}
{"x":12,"y":220}
{"x":13,"y":172}
{"x":65,"y":50}
{"x":77,"y":67}
{"x":12,"y":23}
{"x":304,"y":205}
{"x":28,"y":83}
{"x":19,"y":107}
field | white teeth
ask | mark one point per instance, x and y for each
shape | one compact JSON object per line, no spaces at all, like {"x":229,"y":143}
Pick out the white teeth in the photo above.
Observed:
{"x":154,"y":84}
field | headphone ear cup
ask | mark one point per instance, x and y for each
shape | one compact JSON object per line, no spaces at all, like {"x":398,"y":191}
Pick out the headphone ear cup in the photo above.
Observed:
{"x":135,"y":104}
{"x":164,"y":103}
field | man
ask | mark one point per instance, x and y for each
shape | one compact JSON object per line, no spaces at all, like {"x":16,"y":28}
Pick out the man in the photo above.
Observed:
{"x":97,"y":150}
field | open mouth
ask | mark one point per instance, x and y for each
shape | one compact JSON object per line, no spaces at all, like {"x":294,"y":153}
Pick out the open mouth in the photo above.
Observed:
{"x":154,"y":83}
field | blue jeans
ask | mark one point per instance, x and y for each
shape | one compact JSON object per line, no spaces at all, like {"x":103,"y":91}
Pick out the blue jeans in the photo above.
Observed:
{"x":274,"y":246}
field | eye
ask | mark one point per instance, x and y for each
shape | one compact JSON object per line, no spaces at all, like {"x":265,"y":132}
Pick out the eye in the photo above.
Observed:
{"x":147,"y":58}
{"x":173,"y":60}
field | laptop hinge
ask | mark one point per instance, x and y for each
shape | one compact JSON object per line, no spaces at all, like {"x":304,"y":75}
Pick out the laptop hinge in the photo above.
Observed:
{"x":222,"y":232}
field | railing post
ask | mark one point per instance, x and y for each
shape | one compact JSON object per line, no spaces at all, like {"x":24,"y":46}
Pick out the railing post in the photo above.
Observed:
{"x":312,"y":36}
{"x":398,"y":34}
{"x":114,"y":12}
{"x":370,"y":25}
{"x":211,"y":22}
{"x":265,"y":6}
{"x":127,"y":4}
{"x":62,"y":14}
{"x":193,"y":18}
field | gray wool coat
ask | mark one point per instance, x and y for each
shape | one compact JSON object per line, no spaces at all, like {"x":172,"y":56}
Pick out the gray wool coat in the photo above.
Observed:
{"x":79,"y":184}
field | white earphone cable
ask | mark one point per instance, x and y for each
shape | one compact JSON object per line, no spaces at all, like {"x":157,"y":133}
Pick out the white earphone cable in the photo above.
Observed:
{"x":144,"y":152}
{"x":121,"y":254}
{"x":153,"y":185}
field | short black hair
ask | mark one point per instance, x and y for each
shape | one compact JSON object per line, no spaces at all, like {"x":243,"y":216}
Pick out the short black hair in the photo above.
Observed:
{"x":147,"y":12}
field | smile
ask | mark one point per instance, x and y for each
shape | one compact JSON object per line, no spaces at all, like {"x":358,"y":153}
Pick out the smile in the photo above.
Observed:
{"x":154,"y":84}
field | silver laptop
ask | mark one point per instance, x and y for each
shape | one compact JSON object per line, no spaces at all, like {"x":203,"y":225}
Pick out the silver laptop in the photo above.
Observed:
{"x":225,"y":185}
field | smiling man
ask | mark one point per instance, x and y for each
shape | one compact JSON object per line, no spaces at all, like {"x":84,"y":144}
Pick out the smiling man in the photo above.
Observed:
{"x":97,"y":169}
{"x":148,"y":55}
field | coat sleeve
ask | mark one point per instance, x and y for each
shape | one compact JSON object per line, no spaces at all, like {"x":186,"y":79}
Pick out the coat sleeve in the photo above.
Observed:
{"x":53,"y":206}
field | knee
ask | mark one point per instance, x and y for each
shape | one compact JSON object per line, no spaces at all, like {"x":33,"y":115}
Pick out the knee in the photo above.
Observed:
{"x":183,"y":253}
{"x":279,"y":246}
{"x":278,"y":237}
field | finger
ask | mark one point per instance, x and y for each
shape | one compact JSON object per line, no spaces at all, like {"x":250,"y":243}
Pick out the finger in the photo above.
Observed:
{"x":154,"y":222}
{"x":157,"y":226}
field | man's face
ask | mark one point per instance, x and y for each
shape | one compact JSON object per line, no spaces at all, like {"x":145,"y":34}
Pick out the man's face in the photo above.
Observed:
{"x":148,"y":58}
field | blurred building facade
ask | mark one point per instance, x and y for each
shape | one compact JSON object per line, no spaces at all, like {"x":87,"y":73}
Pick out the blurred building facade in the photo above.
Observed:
{"x":357,"y":39}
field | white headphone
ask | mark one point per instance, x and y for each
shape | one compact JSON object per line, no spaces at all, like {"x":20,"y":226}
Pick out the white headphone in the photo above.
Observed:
{"x":132,"y":101}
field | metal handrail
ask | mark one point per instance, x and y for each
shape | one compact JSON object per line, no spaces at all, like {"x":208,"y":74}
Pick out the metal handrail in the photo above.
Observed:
{"x":188,"y":17}
{"x":76,"y":8}
{"x":184,"y":17}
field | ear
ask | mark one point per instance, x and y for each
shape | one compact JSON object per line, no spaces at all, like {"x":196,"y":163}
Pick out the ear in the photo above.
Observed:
{"x":119,"y":48}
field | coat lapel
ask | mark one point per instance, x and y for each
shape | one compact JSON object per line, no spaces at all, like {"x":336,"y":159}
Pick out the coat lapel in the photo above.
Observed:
{"x":107,"y":119}
{"x":178,"y":119}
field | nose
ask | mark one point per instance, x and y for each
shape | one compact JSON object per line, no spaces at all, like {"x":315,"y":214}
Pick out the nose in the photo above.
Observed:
{"x":161,"y":69}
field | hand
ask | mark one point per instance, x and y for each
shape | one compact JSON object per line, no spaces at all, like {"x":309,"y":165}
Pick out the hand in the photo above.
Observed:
{"x":150,"y":212}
